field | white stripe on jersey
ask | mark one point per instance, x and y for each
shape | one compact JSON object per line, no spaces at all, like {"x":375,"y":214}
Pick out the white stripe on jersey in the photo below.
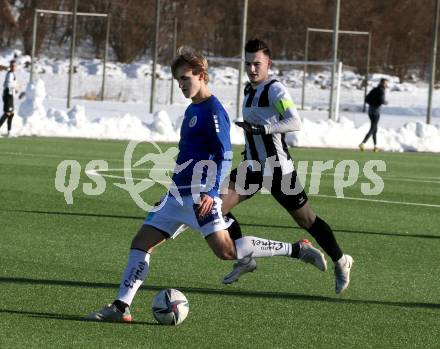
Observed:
{"x":10,"y":81}
{"x":285,"y":162}
{"x":217,"y":128}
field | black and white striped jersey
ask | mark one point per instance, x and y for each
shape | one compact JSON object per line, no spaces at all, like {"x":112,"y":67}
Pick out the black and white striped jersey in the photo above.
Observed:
{"x":270,"y":104}
{"x":10,"y":83}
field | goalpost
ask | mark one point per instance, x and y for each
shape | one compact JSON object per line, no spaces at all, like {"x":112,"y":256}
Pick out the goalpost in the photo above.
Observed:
{"x":40,"y":12}
{"x":340,"y":32}
{"x":277,"y":62}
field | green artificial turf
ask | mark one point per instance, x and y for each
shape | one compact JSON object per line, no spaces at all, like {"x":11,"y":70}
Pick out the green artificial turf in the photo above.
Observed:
{"x":59,"y":262}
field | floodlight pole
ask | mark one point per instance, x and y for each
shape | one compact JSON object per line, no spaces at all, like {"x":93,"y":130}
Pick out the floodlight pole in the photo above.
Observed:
{"x":334,"y":54}
{"x":104,"y":68}
{"x":174,"y":56}
{"x":155,"y":49}
{"x":338,"y":91}
{"x":433,"y":60}
{"x":72,"y":53}
{"x":306,"y":58}
{"x":367,"y":72}
{"x":241,"y":69}
{"x":34,"y":44}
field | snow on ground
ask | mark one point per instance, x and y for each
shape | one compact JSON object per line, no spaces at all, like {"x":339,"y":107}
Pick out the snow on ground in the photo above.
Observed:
{"x":125,"y":114}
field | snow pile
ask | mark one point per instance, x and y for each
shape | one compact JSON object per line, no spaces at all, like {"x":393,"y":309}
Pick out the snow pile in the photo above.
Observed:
{"x":402,"y":126}
{"x":162,"y":129}
{"x":33,"y":106}
{"x":33,"y":119}
{"x":413,"y":136}
{"x":32,"y":111}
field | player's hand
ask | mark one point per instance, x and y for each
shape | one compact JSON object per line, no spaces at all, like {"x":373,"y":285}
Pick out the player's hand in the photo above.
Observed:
{"x":251,"y":128}
{"x":205,"y":205}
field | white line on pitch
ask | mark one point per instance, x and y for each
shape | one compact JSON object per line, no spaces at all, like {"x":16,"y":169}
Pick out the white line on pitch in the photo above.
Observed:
{"x":377,"y":200}
{"x":415,"y":179}
{"x":93,"y":173}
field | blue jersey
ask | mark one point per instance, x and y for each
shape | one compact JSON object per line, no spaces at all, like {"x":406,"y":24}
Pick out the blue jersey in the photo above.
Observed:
{"x":204,"y":135}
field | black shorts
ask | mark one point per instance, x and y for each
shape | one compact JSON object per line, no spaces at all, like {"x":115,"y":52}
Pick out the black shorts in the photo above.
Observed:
{"x":284,"y":188}
{"x":8,"y":102}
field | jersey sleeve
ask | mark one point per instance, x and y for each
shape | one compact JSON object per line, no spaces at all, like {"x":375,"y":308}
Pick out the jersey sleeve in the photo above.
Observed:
{"x":220,"y":147}
{"x":289,"y":120}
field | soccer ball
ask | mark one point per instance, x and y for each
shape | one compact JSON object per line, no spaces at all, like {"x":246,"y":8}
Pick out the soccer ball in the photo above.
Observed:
{"x":170,"y":307}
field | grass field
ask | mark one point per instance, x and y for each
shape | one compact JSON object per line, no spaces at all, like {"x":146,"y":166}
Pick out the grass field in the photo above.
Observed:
{"x":59,"y":262}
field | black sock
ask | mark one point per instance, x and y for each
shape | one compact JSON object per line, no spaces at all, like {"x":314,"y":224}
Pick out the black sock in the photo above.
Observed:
{"x":120,"y":305}
{"x":10,"y":122}
{"x":295,"y":250}
{"x":234,"y":230}
{"x":325,"y":238}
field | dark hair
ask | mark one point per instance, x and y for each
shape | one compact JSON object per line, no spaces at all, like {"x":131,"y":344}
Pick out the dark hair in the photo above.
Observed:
{"x":382,"y":81}
{"x":196,"y":62}
{"x":255,"y":45}
{"x":12,"y":62}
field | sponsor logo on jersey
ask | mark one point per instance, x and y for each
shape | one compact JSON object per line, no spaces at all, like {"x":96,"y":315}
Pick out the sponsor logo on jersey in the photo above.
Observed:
{"x":193,"y":121}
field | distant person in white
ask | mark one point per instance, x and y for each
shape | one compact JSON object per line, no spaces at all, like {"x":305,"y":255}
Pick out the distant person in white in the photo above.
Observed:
{"x":10,"y":87}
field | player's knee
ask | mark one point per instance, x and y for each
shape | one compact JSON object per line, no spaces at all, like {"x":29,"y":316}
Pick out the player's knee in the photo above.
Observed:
{"x":147,"y":238}
{"x":305,"y":222}
{"x":139,"y":241}
{"x":304,"y":216}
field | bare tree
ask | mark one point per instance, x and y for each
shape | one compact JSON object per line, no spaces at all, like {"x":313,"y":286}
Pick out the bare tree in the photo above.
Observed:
{"x":401,"y":28}
{"x":8,"y":23}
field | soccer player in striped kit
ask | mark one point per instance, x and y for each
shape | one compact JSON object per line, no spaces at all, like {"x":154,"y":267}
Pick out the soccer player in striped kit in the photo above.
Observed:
{"x":205,"y":136}
{"x":268,"y":113}
{"x":10,"y":88}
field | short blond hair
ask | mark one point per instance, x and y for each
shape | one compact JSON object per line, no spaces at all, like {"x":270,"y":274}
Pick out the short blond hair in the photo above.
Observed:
{"x":195,"y":61}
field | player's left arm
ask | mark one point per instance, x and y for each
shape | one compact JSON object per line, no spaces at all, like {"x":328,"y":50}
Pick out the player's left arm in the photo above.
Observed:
{"x":221,"y":149}
{"x":289,"y":119}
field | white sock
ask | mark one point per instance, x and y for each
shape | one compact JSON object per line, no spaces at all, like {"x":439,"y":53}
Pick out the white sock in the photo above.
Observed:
{"x":134,"y":275}
{"x":250,"y":246}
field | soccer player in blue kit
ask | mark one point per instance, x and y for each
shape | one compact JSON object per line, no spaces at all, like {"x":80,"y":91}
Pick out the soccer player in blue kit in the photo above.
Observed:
{"x":205,"y":142}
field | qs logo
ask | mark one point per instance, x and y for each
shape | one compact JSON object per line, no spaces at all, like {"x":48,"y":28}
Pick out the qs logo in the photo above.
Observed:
{"x":67,"y":178}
